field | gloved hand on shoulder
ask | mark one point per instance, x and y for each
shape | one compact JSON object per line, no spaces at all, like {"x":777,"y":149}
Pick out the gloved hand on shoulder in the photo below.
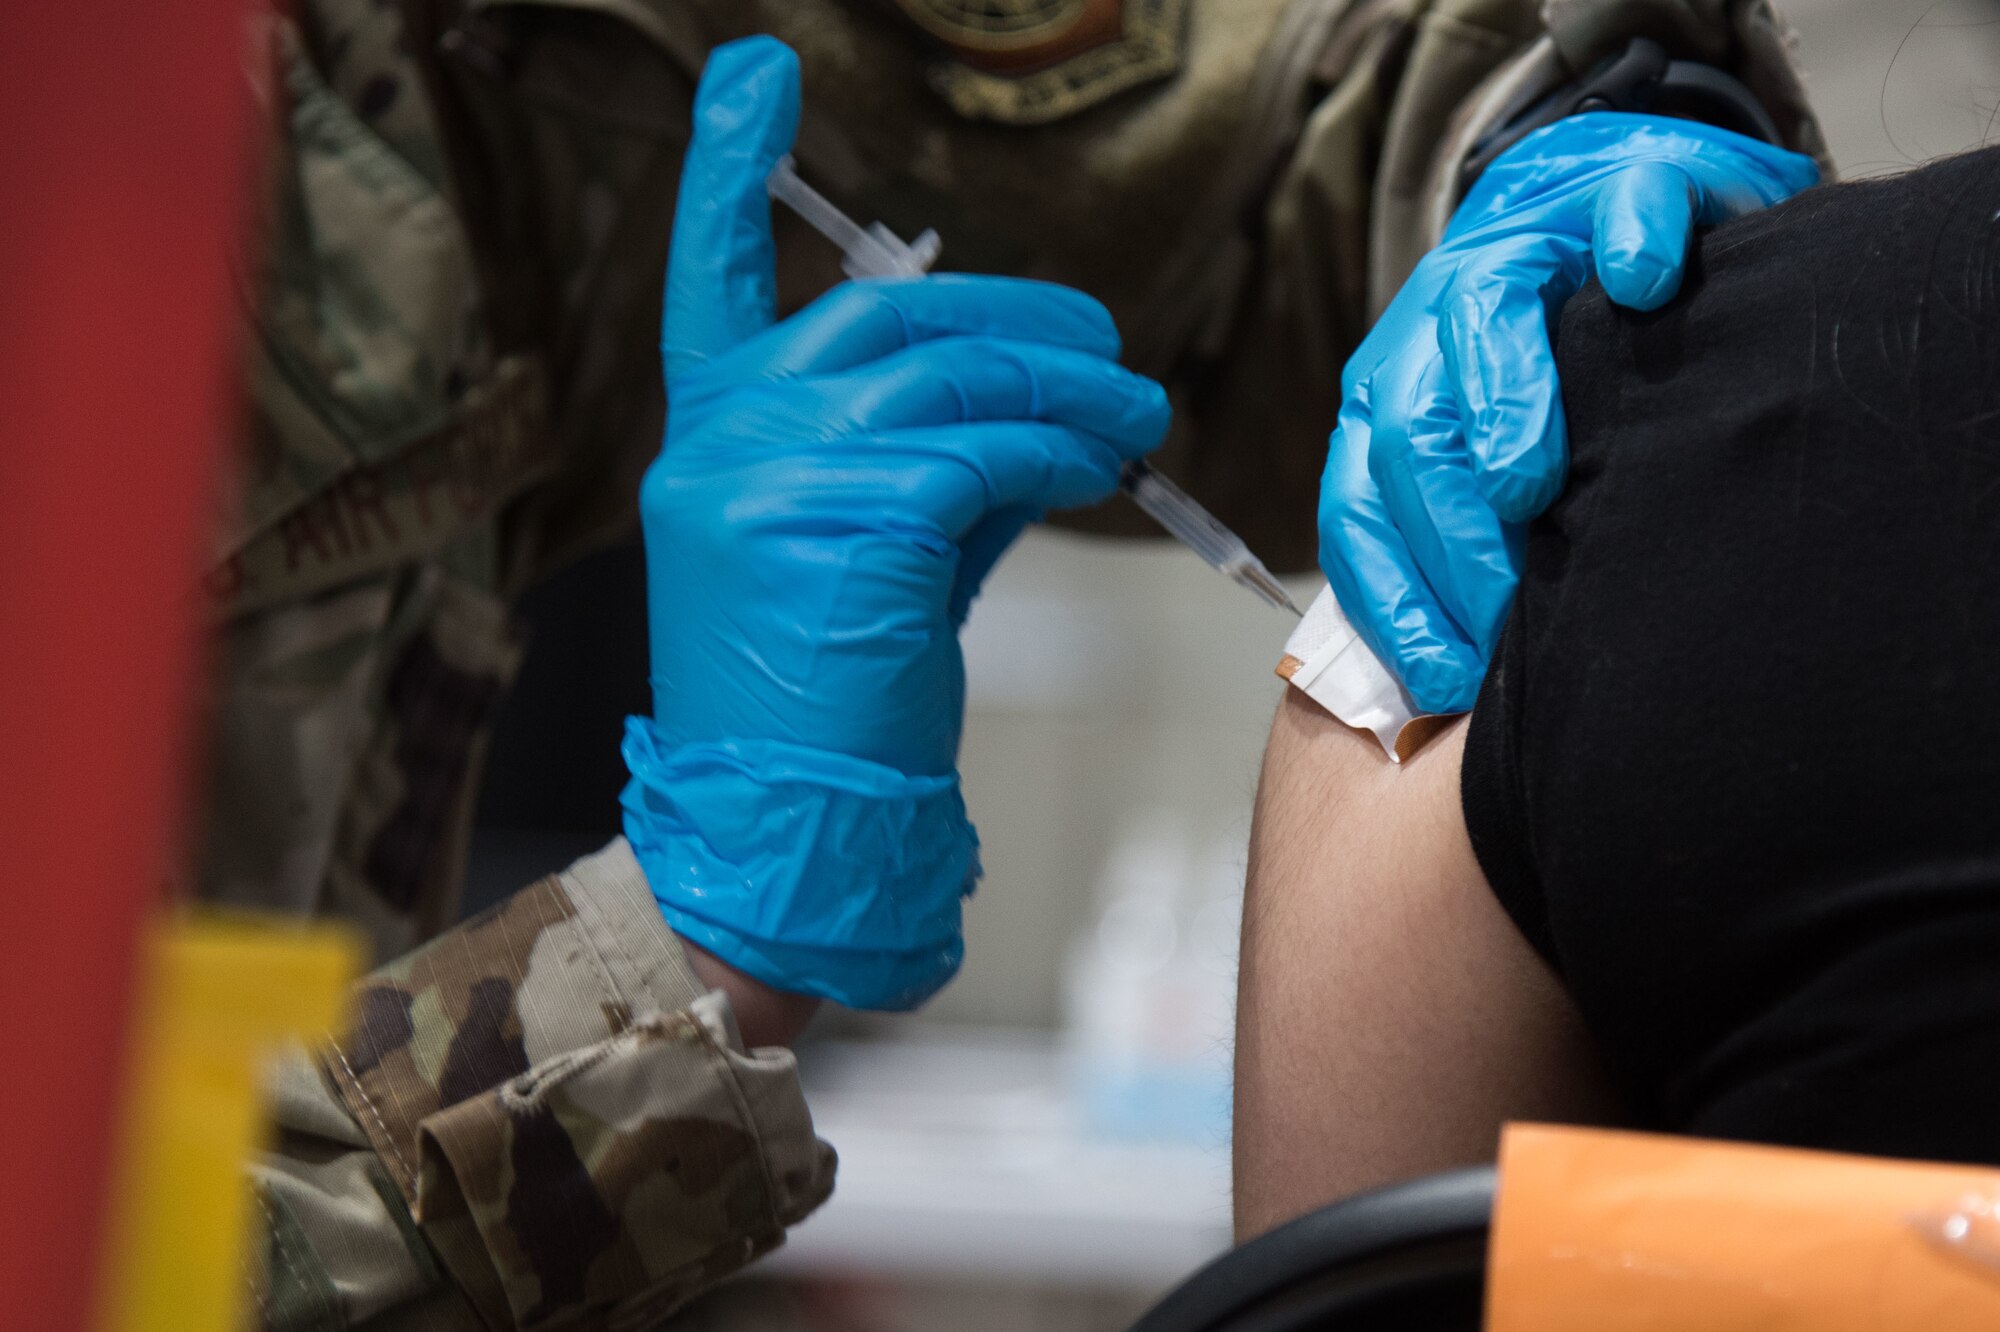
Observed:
{"x":830,"y":493}
{"x":1451,"y":433}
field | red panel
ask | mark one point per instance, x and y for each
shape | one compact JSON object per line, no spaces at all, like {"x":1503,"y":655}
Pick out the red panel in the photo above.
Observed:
{"x":124,"y":134}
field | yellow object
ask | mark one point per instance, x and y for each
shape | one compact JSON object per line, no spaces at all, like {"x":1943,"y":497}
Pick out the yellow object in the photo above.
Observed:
{"x":1628,"y":1232}
{"x":217,"y":995}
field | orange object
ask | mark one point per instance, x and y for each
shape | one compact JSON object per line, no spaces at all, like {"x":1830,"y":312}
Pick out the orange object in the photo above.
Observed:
{"x":1617,"y":1232}
{"x":127,"y":143}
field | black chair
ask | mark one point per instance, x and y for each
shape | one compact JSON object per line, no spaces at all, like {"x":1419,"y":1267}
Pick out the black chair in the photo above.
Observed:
{"x":1408,"y":1258}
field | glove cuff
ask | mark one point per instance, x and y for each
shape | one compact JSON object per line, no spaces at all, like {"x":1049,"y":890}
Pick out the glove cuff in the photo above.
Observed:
{"x":815,"y":872}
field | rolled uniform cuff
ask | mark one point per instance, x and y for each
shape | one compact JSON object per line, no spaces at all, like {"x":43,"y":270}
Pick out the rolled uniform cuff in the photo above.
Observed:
{"x":572,"y":1121}
{"x":814,"y":872}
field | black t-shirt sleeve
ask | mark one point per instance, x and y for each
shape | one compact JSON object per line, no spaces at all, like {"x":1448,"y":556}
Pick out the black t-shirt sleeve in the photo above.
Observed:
{"x":1490,"y":789}
{"x":1735,"y":768}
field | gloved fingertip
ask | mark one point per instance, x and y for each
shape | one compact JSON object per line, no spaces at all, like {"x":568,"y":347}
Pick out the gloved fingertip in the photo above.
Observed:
{"x":1092,"y":319}
{"x":1441,"y":680}
{"x":1643,"y":225}
{"x":1643,"y":281}
{"x":1774,"y":173}
{"x":1519,"y":445}
{"x":1796,"y":172}
{"x":732,"y":63}
{"x":1155,"y":414}
{"x":1146,"y":413}
{"x":1450,"y":699}
{"x":1520,"y":491}
{"x":750,"y":85}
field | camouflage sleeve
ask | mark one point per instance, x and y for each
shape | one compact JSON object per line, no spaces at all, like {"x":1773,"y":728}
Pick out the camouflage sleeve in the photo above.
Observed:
{"x":538,"y":1119}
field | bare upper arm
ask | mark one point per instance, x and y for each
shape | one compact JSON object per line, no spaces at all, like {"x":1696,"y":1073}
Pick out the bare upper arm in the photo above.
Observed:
{"x":1390,"y":1017}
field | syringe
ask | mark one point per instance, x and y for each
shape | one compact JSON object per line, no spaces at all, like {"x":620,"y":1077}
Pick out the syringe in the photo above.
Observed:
{"x":875,"y":251}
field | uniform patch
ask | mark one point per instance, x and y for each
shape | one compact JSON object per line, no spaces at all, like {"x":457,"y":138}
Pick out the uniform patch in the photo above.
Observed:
{"x":1028,"y":62}
{"x":999,"y":25}
{"x":404,"y":507}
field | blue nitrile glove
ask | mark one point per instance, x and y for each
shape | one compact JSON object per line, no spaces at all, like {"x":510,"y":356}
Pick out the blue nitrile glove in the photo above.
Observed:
{"x":829,"y":495}
{"x":1451,"y":431}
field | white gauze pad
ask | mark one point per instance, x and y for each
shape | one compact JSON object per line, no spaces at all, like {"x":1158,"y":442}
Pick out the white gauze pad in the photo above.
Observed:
{"x":1326,"y":659}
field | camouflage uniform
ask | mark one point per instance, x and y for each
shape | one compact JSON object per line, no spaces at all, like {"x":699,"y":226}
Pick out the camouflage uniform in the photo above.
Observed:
{"x":548,"y":1091}
{"x":453,"y":384}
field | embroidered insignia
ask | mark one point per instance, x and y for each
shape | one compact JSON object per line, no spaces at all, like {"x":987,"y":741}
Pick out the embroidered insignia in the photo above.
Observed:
{"x":1028,"y":62}
{"x":996,"y":25}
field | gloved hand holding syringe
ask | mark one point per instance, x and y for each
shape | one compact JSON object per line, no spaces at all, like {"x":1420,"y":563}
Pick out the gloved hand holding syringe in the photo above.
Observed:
{"x":875,"y":251}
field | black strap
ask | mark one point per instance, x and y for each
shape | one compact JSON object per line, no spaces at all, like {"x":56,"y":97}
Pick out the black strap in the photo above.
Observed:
{"x":1641,"y":79}
{"x":1368,"y":1262}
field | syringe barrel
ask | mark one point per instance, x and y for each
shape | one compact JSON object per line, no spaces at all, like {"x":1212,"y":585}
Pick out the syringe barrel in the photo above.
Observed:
{"x":865,"y":251}
{"x":1172,"y":508}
